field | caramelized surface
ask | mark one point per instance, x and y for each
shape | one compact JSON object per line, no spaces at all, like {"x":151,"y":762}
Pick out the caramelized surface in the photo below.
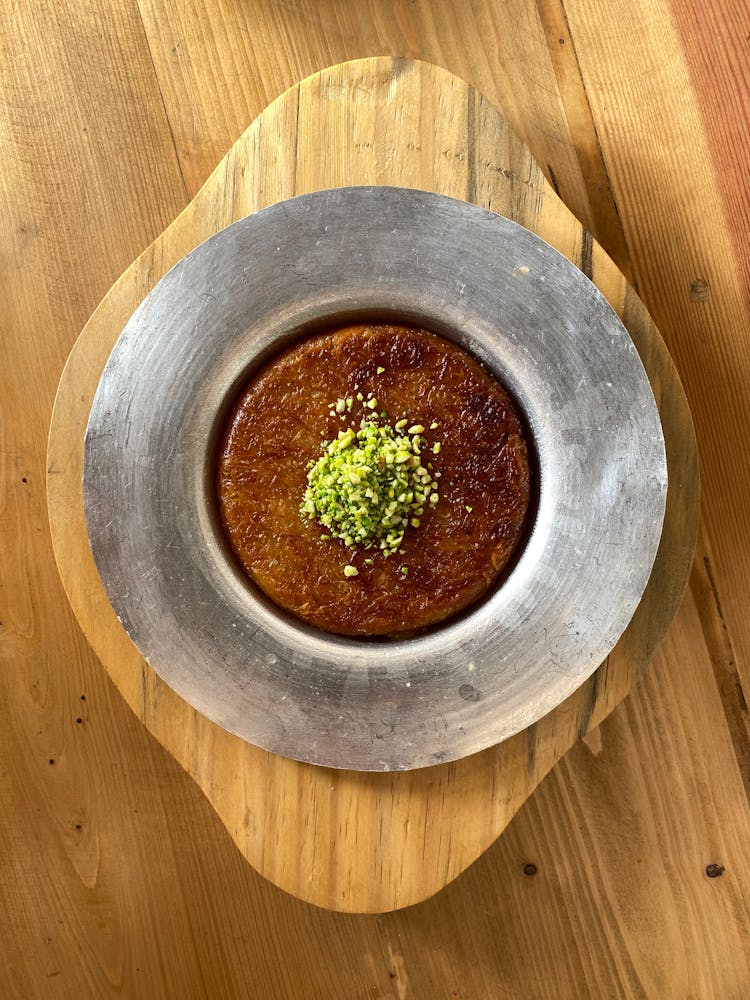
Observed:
{"x":277,"y":427}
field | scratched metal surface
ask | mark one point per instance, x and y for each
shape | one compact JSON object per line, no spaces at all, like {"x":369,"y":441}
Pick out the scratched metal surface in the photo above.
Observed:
{"x":517,"y":305}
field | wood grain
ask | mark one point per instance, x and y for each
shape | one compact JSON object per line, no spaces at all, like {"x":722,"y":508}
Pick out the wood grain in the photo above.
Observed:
{"x":150,"y":897}
{"x":341,"y":839}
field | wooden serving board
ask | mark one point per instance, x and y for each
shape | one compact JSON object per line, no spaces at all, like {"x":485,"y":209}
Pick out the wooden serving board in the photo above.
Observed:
{"x":340,"y":839}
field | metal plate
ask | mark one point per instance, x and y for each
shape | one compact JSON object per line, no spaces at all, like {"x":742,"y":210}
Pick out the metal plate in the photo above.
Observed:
{"x":508,"y":298}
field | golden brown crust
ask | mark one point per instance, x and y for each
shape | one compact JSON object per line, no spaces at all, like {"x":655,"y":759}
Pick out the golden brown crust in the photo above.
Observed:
{"x":277,"y":427}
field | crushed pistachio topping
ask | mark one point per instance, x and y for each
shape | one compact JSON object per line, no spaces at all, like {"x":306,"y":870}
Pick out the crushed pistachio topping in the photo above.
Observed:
{"x":369,"y":484}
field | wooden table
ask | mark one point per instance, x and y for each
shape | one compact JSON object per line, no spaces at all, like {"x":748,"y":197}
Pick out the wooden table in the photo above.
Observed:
{"x":116,"y":876}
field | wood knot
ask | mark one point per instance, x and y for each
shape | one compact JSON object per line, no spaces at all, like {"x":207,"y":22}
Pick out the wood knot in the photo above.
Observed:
{"x":529,"y":869}
{"x":699,"y":290}
{"x":714,"y":871}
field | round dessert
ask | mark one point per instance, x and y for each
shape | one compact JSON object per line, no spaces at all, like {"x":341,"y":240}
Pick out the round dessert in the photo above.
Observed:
{"x":374,"y":480}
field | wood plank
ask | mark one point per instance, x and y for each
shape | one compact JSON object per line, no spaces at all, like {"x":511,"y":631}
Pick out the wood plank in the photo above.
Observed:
{"x":89,"y":177}
{"x":722,"y":86}
{"x":687,"y":241}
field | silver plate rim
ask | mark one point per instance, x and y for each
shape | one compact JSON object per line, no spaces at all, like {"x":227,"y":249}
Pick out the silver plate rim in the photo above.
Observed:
{"x":455,"y":268}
